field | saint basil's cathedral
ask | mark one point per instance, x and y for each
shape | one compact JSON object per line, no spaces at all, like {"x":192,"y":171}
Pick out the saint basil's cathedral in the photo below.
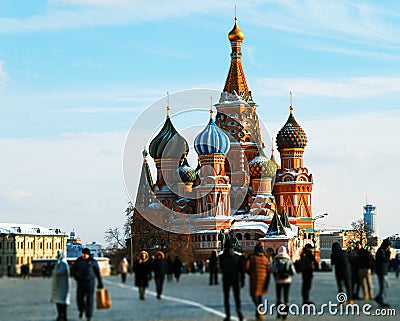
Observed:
{"x":235,"y":188}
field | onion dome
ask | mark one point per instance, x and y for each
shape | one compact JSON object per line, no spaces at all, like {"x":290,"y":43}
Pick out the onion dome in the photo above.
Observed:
{"x":261,"y":166}
{"x":236,"y":34}
{"x":186,"y":173}
{"x":212,"y":140}
{"x":168,"y":143}
{"x":291,"y":134}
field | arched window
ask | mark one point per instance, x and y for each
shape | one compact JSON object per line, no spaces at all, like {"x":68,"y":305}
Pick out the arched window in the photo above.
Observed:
{"x":239,"y":236}
{"x":247,"y":236}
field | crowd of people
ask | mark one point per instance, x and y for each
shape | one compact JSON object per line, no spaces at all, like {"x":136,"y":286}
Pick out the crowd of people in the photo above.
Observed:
{"x":353,"y":272}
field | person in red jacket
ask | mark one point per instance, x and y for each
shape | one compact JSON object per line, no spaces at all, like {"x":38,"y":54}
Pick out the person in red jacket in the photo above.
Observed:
{"x":257,"y":265}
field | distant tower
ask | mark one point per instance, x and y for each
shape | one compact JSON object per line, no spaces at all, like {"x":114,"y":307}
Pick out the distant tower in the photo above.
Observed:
{"x":370,"y":218}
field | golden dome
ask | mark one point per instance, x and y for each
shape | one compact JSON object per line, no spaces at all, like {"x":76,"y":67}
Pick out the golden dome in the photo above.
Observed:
{"x":236,"y":34}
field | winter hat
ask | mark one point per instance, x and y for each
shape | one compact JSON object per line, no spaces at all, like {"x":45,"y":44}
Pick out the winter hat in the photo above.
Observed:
{"x":146,"y":255}
{"x":258,"y":248}
{"x":282,"y":252}
{"x":86,"y":251}
{"x":161,"y":254}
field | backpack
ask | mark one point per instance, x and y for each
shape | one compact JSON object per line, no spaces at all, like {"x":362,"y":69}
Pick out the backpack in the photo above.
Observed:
{"x":281,"y":269}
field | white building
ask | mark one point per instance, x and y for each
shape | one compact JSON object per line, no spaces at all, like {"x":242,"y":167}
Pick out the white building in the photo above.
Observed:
{"x":21,"y":243}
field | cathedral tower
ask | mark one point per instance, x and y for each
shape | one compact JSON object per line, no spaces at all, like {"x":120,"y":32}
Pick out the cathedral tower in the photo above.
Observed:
{"x":213,"y":196}
{"x":293,"y":183}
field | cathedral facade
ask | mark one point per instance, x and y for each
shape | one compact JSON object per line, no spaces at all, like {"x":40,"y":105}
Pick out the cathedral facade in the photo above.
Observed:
{"x":235,"y":188}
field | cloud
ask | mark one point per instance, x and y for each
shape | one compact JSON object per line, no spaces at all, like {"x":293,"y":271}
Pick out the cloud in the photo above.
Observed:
{"x":74,"y":14}
{"x":16,"y":195}
{"x":358,"y":88}
{"x":341,"y":20}
{"x":70,"y":181}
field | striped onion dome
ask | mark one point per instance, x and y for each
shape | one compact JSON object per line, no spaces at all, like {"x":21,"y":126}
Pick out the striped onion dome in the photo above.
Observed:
{"x":186,"y":173}
{"x":291,"y":135}
{"x":168,"y":143}
{"x":261,"y":166}
{"x":212,"y":140}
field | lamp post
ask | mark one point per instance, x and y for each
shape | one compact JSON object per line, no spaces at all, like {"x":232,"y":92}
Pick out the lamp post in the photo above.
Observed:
{"x":314,"y":239}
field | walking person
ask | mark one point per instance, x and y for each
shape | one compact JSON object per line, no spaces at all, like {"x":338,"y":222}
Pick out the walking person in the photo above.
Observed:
{"x":84,"y":271}
{"x":382,"y":260}
{"x":177,"y":268}
{"x":170,"y":268}
{"x":354,"y":272}
{"x":123,"y":268}
{"x":283,"y":270}
{"x":61,"y":286}
{"x":213,"y":267}
{"x":364,"y":271}
{"x":142,"y":270}
{"x":340,"y":260}
{"x":257,"y":265}
{"x":232,"y":268}
{"x":159,"y":268}
{"x":308,"y":264}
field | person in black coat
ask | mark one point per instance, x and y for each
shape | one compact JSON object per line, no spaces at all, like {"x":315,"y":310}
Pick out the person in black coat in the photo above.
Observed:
{"x":340,"y":260}
{"x":170,"y":268}
{"x":232,"y":268}
{"x":213,"y":268}
{"x":382,"y":260}
{"x":84,"y":271}
{"x":364,"y":270}
{"x":159,"y":268}
{"x":177,"y":268}
{"x":142,"y":270}
{"x":308,"y":264}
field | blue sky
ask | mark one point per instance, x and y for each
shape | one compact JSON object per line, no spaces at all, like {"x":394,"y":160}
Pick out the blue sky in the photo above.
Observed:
{"x":75,"y":74}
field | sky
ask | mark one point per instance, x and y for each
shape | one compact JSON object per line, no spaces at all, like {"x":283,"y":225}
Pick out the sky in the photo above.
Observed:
{"x":75,"y":75}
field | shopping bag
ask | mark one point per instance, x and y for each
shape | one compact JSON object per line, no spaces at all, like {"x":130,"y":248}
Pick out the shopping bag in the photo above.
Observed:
{"x":103,"y":300}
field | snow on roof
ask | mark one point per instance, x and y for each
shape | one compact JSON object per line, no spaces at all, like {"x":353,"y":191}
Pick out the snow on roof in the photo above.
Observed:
{"x":29,"y":229}
{"x":246,"y":225}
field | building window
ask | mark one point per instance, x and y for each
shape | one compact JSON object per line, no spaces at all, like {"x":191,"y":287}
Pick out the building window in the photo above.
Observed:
{"x":239,"y":236}
{"x":247,"y":236}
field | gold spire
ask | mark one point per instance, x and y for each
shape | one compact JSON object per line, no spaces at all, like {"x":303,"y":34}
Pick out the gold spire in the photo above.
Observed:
{"x":236,"y":34}
{"x":168,"y":109}
{"x":291,"y":101}
{"x":236,"y":80}
{"x":211,"y":111}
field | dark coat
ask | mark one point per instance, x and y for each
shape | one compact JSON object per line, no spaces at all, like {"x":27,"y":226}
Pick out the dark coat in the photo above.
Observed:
{"x":340,"y":260}
{"x":159,"y":268}
{"x":213,"y":263}
{"x":232,"y":268}
{"x":177,"y":266}
{"x":308,"y":263}
{"x":142,"y":270}
{"x":85,"y":271}
{"x":382,"y":261}
{"x":364,"y":259}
